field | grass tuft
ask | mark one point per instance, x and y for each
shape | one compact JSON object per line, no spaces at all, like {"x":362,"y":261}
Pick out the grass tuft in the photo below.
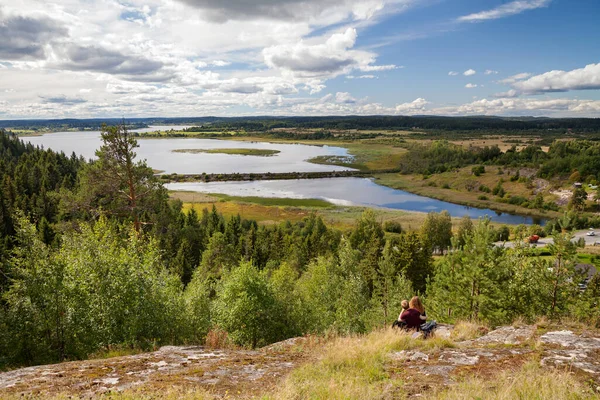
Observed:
{"x":531,"y":382}
{"x":465,"y":330}
{"x":353,"y":367}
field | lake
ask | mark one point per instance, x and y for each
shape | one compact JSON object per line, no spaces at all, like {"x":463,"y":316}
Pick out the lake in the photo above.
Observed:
{"x":292,"y":158}
{"x":159,"y":154}
{"x":348,"y":192}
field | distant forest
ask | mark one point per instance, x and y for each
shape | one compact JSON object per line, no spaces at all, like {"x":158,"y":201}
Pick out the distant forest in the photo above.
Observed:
{"x":470,"y":124}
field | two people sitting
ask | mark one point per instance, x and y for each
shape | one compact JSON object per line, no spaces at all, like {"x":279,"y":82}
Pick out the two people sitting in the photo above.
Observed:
{"x":413,"y":317}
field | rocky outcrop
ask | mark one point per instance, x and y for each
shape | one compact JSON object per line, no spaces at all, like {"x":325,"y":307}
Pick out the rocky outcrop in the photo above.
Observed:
{"x":179,"y":366}
{"x":254,"y":372}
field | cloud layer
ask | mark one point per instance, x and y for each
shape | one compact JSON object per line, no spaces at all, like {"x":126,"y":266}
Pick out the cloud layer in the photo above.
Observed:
{"x":505,"y":10}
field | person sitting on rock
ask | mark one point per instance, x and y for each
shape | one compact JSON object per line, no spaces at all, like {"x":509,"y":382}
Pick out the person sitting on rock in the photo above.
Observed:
{"x":413,"y":316}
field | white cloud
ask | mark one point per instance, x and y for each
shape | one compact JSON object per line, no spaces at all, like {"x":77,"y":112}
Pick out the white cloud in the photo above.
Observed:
{"x":512,"y":79}
{"x":511,"y":93}
{"x":505,"y":10}
{"x":416,"y":106}
{"x":293,"y":10}
{"x":469,"y":72}
{"x":523,"y":106}
{"x":490,"y":72}
{"x":313,"y":63}
{"x":452,"y":73}
{"x":220,"y":63}
{"x":587,"y":78}
{"x":373,"y":68}
{"x":361,"y":77}
{"x":344,"y":97}
{"x":470,"y":85}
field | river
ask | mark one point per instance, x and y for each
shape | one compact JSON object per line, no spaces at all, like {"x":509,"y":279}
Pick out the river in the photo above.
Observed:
{"x":159,"y":155}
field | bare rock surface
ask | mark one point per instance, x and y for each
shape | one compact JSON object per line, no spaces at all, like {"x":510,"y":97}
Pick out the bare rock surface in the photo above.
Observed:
{"x":220,"y":371}
{"x":579,"y":353}
{"x":224,"y":372}
{"x":505,"y":335}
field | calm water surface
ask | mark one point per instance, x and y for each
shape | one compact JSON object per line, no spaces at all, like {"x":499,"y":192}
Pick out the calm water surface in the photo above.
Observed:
{"x":292,"y":158}
{"x":159,"y":154}
{"x":347,"y":191}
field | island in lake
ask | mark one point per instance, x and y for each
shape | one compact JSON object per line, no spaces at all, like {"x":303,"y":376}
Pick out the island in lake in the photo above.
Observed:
{"x":240,"y":152}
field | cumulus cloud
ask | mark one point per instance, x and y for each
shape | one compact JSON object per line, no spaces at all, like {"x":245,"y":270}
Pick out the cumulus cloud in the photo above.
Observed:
{"x":99,"y":59}
{"x":330,"y":57}
{"x":313,"y":63}
{"x":470,"y":85}
{"x":587,"y":78}
{"x":511,"y":93}
{"x":469,"y":72}
{"x":512,"y":79}
{"x":505,"y":10}
{"x":344,"y":97}
{"x":523,"y":106}
{"x":414,"y":107}
{"x":291,"y":10}
{"x":25,"y":37}
{"x":452,"y":73}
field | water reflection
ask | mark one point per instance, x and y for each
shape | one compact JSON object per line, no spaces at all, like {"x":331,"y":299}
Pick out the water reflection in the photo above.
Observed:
{"x":348,"y":191}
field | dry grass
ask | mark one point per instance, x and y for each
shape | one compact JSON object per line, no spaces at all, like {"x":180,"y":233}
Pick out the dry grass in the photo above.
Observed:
{"x":354,"y":368}
{"x":530,"y":382}
{"x":465,"y":330}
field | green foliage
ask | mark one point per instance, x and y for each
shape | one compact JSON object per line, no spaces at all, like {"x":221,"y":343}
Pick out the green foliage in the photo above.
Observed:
{"x":116,"y":183}
{"x":247,"y":308}
{"x":392,"y":227}
{"x":478,"y":170}
{"x":437,"y":230}
{"x":578,"y":199}
{"x":468,"y":281}
{"x":465,"y":229}
{"x":95,"y":290}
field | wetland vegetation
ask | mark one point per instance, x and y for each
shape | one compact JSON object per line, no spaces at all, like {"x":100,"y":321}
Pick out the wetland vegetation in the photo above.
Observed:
{"x":239,"y":152}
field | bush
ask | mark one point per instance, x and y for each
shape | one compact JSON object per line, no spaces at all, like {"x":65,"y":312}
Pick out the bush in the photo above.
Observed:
{"x":517,"y":200}
{"x":445,"y":186}
{"x":392,"y":227}
{"x":96,"y":290}
{"x":478,"y":170}
{"x":482,"y":197}
{"x":247,"y":308}
{"x":485,"y":189}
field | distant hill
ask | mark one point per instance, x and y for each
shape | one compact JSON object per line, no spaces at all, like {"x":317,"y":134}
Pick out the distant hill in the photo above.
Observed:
{"x":262,"y":123}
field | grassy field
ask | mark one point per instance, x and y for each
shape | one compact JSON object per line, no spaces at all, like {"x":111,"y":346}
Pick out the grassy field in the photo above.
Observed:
{"x":275,"y":210}
{"x":240,"y":152}
{"x":462,"y":187}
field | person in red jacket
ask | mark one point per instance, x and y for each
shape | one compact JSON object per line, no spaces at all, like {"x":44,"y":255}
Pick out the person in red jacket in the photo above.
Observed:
{"x":415,"y":315}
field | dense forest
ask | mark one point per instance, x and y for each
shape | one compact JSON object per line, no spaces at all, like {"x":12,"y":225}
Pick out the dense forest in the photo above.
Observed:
{"x":94,"y":254}
{"x":262,"y":124}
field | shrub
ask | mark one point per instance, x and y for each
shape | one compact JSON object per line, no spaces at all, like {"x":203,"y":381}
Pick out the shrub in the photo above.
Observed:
{"x":392,"y":227}
{"x":445,"y":186}
{"x":247,"y":308}
{"x":482,"y":197}
{"x":478,"y":170}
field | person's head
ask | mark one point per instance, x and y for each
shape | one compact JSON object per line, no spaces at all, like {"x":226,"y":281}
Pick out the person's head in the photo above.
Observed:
{"x":404,"y":304}
{"x":415,"y":303}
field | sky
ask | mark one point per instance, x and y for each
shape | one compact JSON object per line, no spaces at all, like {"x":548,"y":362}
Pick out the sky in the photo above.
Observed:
{"x":178,"y":58}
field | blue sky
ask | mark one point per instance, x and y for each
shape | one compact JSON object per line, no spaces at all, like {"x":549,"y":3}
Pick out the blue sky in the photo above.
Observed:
{"x":110,"y":58}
